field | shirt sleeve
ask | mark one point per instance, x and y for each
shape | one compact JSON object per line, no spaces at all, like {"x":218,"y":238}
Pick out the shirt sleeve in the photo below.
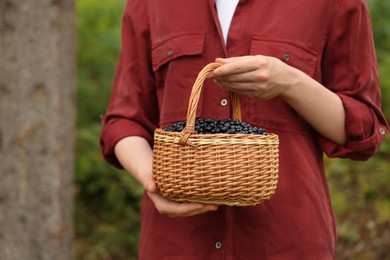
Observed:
{"x":133,"y":106}
{"x":350,"y":70}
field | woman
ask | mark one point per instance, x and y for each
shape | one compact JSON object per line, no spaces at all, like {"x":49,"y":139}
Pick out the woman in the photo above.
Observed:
{"x":304,"y":70}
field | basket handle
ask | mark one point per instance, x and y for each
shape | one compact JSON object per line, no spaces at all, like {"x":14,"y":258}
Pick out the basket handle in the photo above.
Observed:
{"x":194,"y":100}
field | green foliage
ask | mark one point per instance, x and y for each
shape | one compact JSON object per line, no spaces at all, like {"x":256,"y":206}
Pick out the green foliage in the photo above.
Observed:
{"x":98,"y":36}
{"x":380,"y":10}
{"x":107,"y":204}
{"x":361,"y":200}
{"x":108,"y":200}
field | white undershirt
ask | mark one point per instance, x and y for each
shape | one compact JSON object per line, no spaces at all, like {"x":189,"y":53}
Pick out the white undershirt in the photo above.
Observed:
{"x":225,"y":10}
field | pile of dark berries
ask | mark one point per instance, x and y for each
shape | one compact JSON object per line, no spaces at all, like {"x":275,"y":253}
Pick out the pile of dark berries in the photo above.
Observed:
{"x":218,"y":126}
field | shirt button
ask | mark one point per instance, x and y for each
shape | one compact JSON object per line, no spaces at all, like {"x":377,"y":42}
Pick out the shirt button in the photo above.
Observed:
{"x":218,"y":245}
{"x":170,"y":52}
{"x":382,"y":131}
{"x":223,"y":102}
{"x":286,"y":57}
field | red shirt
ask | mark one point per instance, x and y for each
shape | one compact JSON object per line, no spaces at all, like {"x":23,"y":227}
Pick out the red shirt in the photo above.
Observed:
{"x":166,"y":43}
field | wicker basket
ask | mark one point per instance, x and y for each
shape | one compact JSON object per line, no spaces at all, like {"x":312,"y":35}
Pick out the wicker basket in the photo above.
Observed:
{"x":228,"y":169}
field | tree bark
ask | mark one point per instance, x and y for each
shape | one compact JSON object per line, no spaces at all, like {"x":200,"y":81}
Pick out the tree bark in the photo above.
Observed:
{"x":37,"y":119}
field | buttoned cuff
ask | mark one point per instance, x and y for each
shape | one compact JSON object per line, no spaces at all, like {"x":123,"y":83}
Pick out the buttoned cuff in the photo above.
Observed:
{"x":365,"y":132}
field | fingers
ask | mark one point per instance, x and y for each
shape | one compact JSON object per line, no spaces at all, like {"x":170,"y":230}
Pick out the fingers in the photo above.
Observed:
{"x":175,"y":209}
{"x":171,"y":208}
{"x":247,"y":69}
{"x":244,"y":88}
{"x":252,"y":84}
{"x":252,"y":76}
{"x":235,"y":65}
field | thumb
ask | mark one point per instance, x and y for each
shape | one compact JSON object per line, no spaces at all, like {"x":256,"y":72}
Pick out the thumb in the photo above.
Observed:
{"x":149,"y":184}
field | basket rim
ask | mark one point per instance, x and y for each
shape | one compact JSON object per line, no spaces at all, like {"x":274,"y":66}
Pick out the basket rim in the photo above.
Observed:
{"x":217,"y":139}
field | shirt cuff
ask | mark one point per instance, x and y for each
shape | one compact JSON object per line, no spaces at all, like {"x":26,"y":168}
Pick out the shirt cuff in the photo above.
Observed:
{"x":115,"y":131}
{"x":364,"y":130}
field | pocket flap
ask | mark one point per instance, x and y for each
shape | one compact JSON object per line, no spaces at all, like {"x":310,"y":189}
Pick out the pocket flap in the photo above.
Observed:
{"x":177,"y":46}
{"x":293,"y":54}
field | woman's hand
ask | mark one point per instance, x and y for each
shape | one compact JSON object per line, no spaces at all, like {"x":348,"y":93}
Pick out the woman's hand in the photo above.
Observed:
{"x":264,"y":77}
{"x":175,"y":209}
{"x":258,"y":76}
{"x":135,"y":155}
{"x":171,"y":208}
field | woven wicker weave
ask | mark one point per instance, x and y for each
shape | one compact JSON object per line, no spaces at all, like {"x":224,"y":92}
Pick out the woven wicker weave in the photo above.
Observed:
{"x":228,"y":169}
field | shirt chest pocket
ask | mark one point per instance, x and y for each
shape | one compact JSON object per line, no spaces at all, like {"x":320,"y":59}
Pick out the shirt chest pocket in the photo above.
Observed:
{"x":293,"y":54}
{"x":277,"y":114}
{"x":176,"y":62}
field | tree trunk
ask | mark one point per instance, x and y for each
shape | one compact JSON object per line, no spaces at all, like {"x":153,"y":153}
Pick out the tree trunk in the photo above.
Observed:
{"x":37,"y":118}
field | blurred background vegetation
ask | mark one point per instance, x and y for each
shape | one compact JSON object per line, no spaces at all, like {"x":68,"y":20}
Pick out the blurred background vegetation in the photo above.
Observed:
{"x":107,"y":200}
